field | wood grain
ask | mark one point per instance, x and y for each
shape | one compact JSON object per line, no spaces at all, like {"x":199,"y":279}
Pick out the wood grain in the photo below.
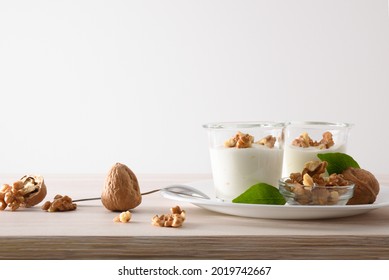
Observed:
{"x":195,"y":247}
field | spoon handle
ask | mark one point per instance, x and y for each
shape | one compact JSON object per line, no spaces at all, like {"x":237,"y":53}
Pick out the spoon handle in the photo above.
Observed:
{"x":98,"y":198}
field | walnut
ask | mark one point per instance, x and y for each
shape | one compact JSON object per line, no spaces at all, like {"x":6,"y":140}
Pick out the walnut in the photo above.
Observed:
{"x":337,"y":180}
{"x":121,"y":191}
{"x":315,"y":167}
{"x":366,"y":188}
{"x":268,"y":141}
{"x":26,"y":192}
{"x":307,"y":180}
{"x":327,"y":141}
{"x":230,"y":143}
{"x":240,"y":140}
{"x":124,"y":217}
{"x":175,"y":219}
{"x":302,"y":194}
{"x":3,"y":204}
{"x":304,"y":141}
{"x":59,"y":204}
{"x":320,"y":196}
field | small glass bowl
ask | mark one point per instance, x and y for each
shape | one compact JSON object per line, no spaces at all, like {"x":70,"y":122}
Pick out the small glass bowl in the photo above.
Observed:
{"x":296,"y":194}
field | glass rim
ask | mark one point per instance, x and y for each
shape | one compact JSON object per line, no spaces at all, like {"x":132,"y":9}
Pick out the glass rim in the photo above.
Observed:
{"x":282,"y":182}
{"x":320,"y":123}
{"x":244,"y":124}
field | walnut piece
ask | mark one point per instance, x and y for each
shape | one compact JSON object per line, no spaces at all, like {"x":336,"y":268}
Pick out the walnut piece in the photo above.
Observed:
{"x":59,"y":204}
{"x":304,"y":141}
{"x":268,"y":141}
{"x":123,"y":217}
{"x":307,"y":180}
{"x":26,"y":192}
{"x":240,"y":140}
{"x":175,"y":219}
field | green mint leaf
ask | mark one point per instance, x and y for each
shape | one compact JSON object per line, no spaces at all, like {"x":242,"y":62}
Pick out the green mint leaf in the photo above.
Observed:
{"x":261,"y":193}
{"x":337,"y":162}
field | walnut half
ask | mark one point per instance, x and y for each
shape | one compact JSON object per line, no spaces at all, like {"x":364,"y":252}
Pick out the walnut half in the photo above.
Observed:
{"x":26,"y":192}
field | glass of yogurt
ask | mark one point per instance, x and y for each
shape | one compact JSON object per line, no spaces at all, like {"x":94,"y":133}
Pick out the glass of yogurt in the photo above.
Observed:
{"x":304,"y":140}
{"x":243,"y":154}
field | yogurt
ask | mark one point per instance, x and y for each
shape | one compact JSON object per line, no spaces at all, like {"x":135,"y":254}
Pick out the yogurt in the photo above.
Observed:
{"x":235,"y":170}
{"x":296,"y":157}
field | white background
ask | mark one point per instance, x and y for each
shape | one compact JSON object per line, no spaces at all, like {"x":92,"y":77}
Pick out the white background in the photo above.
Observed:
{"x":85,"y":84}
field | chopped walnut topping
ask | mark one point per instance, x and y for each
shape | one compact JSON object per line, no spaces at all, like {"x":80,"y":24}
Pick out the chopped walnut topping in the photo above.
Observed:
{"x":240,"y":140}
{"x":268,"y":141}
{"x":327,"y":141}
{"x":243,"y":140}
{"x":304,"y":141}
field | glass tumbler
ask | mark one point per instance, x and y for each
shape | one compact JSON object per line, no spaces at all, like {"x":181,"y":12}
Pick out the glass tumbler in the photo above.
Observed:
{"x":243,"y":154}
{"x":304,"y":140}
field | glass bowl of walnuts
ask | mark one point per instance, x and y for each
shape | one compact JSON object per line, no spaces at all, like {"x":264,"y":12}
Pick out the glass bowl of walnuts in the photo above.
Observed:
{"x":312,"y":187}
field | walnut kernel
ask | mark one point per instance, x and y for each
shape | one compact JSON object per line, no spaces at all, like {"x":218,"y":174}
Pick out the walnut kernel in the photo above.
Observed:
{"x":59,"y":204}
{"x":123,"y":217}
{"x":268,"y":141}
{"x":304,"y":141}
{"x":311,"y":187}
{"x":175,"y":219}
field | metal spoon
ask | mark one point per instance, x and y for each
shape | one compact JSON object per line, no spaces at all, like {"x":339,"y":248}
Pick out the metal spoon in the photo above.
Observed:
{"x":181,"y":190}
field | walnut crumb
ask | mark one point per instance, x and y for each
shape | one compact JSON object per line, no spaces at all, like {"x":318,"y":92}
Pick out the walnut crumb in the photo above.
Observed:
{"x":123,"y":217}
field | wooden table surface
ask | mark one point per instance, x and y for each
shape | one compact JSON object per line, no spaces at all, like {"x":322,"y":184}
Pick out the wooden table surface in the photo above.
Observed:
{"x":90,"y":233}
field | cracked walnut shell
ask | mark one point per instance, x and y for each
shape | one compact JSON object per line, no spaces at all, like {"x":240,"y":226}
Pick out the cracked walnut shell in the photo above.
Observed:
{"x":34,"y":189}
{"x":121,"y":190}
{"x":26,"y":192}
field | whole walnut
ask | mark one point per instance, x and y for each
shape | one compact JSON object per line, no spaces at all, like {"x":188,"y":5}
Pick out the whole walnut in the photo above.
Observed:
{"x":366,"y":185}
{"x":121,"y":191}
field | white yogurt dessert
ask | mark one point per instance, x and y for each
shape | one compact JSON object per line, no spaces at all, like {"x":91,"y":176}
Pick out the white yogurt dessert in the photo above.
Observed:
{"x":296,"y":157}
{"x":303,"y":149}
{"x":235,"y":170}
{"x":245,"y":154}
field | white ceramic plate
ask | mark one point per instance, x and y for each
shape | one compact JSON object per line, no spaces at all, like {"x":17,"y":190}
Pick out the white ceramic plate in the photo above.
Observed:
{"x":288,"y":212}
